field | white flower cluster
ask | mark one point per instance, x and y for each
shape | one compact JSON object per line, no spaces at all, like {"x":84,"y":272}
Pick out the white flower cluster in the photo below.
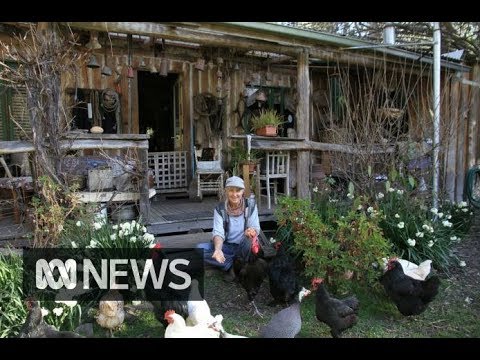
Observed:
{"x":428,"y":228}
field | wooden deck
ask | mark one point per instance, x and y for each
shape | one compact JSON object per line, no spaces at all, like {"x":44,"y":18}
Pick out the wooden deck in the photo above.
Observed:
{"x":168,"y":216}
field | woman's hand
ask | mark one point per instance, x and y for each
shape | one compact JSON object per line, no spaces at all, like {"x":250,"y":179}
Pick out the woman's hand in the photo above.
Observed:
{"x":218,"y":255}
{"x":250,"y":233}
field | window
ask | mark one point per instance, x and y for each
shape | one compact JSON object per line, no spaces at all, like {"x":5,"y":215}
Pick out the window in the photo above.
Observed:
{"x":14,"y":117}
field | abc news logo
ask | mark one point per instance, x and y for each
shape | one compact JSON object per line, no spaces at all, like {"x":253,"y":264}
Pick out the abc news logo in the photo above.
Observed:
{"x":168,"y":273}
{"x":67,"y":274}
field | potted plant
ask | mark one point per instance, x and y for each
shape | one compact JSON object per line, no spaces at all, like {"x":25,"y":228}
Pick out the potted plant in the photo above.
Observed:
{"x":240,"y":157}
{"x":266,"y":123}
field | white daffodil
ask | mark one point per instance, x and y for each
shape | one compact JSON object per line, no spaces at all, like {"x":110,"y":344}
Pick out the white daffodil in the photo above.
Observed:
{"x":419,"y":234}
{"x":380,"y":195}
{"x":411,"y":242}
{"x":447,"y":223}
{"x":74,"y":244}
{"x":45,"y":312}
{"x":430,"y":243}
{"x":370,"y":209}
{"x":69,"y":303}
{"x":315,"y":189}
{"x":462,"y":263}
{"x":434,"y":211}
{"x":78,"y":223}
{"x":401,"y":225}
{"x":397,"y":216}
{"x":148,"y":237}
{"x":97,"y":225}
{"x":360,"y":207}
{"x":58,"y":311}
{"x":350,"y":196}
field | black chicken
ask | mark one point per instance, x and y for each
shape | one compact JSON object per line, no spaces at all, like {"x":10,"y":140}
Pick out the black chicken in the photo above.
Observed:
{"x":251,"y":273}
{"x":287,"y":323}
{"x":282,"y":278}
{"x":166,"y":298}
{"x":339,"y":315}
{"x":35,"y":327}
{"x":411,"y":296}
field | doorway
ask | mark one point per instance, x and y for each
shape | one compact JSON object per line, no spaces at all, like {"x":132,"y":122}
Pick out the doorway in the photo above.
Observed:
{"x":158,"y":109}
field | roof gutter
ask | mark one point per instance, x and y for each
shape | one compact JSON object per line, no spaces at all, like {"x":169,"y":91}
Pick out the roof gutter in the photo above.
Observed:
{"x":314,"y":37}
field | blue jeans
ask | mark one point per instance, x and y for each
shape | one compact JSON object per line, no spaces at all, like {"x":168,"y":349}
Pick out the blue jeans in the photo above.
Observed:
{"x":230,"y":251}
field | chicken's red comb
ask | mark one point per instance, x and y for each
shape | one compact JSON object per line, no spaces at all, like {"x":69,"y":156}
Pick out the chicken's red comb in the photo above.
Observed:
{"x":277,"y":245}
{"x":316,"y":281}
{"x":168,"y":313}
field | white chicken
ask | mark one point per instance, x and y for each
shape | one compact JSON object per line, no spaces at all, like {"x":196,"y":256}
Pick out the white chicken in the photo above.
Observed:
{"x":177,"y":328}
{"x":223,"y":334}
{"x":198,"y":310}
{"x":110,"y":311}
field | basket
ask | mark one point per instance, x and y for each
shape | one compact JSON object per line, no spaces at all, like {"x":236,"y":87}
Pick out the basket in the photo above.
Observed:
{"x":389,"y":113}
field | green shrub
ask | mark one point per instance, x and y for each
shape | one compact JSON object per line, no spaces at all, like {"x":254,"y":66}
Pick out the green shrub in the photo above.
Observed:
{"x":339,"y":244}
{"x":12,"y":307}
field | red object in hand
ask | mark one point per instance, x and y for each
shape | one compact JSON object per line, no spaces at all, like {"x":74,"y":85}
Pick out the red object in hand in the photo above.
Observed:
{"x":255,"y":245}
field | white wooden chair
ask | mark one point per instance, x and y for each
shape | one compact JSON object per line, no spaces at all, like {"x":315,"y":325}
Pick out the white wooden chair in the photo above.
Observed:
{"x":209,"y":173}
{"x":277,"y":167}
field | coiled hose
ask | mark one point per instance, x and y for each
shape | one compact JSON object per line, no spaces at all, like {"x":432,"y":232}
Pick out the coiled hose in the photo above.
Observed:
{"x":471,"y":185}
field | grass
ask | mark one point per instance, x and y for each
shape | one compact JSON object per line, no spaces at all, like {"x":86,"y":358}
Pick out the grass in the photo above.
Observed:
{"x":449,"y":315}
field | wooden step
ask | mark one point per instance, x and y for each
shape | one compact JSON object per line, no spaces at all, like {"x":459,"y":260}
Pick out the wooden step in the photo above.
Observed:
{"x":184,"y":240}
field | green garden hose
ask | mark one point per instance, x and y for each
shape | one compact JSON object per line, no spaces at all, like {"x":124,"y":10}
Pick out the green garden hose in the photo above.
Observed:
{"x":472,"y":189}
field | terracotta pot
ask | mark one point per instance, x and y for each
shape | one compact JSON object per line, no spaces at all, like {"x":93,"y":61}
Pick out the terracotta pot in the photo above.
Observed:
{"x":268,"y":130}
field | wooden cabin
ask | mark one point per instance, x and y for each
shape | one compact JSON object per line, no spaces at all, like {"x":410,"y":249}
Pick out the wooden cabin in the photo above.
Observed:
{"x":196,"y":85}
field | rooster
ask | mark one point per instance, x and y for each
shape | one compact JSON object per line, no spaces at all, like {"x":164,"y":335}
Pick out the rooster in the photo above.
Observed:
{"x":282,"y":278}
{"x":411,"y":296}
{"x":251,"y":273}
{"x":287,"y":323}
{"x":337,"y":314}
{"x":36,"y":327}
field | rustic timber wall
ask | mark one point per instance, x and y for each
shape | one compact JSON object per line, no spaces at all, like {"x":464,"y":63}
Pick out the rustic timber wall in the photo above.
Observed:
{"x":461,"y":108}
{"x":192,"y":82}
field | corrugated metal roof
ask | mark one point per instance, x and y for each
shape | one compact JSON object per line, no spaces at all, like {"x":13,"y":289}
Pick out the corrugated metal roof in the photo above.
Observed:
{"x":340,"y":41}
